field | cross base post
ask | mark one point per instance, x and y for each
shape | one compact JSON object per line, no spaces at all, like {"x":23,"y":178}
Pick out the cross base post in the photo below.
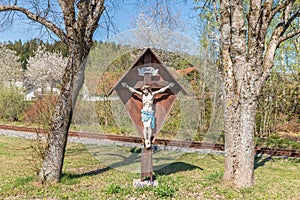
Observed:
{"x":147,"y":164}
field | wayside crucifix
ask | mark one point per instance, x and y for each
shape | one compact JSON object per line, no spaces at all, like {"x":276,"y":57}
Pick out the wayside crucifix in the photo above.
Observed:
{"x":148,"y":90}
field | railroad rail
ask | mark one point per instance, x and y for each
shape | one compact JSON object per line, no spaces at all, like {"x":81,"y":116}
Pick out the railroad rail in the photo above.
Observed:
{"x":162,"y":142}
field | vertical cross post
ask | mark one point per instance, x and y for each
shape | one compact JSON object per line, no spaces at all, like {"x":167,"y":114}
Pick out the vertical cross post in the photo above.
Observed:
{"x":147,"y":164}
{"x":147,"y":63}
{"x":147,"y":154}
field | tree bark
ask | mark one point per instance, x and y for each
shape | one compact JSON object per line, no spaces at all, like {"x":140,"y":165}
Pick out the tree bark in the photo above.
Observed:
{"x":240,"y":99}
{"x":239,"y":142}
{"x":79,"y":41}
{"x":73,"y":79}
{"x":246,"y":67}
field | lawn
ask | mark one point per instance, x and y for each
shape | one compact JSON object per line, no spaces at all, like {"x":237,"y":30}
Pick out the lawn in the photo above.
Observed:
{"x":107,"y":172}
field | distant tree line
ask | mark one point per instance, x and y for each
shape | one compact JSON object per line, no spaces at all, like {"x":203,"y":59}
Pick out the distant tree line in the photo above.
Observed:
{"x":279,"y":103}
{"x":25,"y":50}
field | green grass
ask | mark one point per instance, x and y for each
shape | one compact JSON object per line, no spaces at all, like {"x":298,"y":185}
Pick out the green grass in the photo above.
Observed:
{"x":110,"y":172}
{"x":276,"y":141}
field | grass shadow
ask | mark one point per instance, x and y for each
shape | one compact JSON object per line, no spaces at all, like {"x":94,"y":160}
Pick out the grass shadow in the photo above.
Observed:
{"x":134,"y":156}
{"x":261,"y":161}
{"x":174,"y":168}
{"x":126,"y":160}
{"x":67,"y":176}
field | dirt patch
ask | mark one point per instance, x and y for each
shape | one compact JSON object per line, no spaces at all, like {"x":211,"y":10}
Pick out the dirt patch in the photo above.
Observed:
{"x":290,"y":135}
{"x":290,"y":127}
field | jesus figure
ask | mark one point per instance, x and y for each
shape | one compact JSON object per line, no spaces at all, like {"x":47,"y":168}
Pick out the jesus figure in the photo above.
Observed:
{"x":147,"y":112}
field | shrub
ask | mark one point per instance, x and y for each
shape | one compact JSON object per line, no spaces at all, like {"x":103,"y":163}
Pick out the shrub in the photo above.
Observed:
{"x":12,"y":104}
{"x":104,"y":113}
{"x":84,"y":113}
{"x":41,"y":111}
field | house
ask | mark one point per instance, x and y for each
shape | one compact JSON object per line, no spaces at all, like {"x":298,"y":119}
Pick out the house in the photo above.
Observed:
{"x":35,"y":93}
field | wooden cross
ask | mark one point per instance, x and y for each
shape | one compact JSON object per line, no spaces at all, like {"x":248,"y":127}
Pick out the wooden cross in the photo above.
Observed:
{"x":156,"y":76}
{"x":148,"y":72}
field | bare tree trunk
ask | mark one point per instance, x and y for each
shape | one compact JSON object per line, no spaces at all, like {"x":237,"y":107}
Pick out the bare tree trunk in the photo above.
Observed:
{"x":239,"y":143}
{"x":78,"y":38}
{"x":57,"y":138}
{"x":240,"y":96}
{"x":202,"y":124}
{"x":246,"y":70}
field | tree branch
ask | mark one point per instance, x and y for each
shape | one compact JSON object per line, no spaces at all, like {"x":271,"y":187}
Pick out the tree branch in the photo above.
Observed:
{"x":68,"y":10}
{"x":275,"y":40}
{"x":83,"y":14}
{"x":216,"y":11}
{"x":97,"y":9}
{"x":278,"y":36}
{"x":288,"y":24}
{"x":289,"y":35}
{"x":36,"y":18}
{"x":279,"y":7}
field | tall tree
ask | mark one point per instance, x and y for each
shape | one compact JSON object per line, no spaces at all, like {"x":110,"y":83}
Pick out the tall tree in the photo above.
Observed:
{"x":248,"y":47}
{"x":80,"y":20}
{"x":10,"y":68}
{"x":251,"y":32}
{"x":157,"y":27}
{"x":45,"y":69}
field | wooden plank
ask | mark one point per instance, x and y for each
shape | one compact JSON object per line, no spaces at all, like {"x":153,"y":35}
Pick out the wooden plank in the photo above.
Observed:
{"x":147,"y":164}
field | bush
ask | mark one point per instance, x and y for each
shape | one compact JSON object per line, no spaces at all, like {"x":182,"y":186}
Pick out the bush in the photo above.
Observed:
{"x":41,"y":111}
{"x":12,"y":104}
{"x":104,"y":113}
{"x":84,"y":113}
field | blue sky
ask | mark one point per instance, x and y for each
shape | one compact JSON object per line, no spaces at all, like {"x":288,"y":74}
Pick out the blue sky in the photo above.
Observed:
{"x":124,"y":19}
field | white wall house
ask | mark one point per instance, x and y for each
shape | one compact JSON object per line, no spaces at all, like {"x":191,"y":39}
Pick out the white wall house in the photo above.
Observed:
{"x":33,"y":94}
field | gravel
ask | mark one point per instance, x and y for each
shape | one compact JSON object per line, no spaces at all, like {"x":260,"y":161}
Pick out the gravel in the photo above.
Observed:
{"x":89,"y":141}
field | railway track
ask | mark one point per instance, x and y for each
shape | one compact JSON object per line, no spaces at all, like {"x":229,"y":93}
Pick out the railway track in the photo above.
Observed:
{"x":162,"y":142}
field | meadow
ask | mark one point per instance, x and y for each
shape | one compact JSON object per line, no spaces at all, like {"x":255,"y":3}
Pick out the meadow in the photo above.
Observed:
{"x":107,"y":172}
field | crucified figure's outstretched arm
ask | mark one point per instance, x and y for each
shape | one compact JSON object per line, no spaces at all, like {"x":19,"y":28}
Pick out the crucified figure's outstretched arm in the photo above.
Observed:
{"x":132,"y":89}
{"x":161,"y":90}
